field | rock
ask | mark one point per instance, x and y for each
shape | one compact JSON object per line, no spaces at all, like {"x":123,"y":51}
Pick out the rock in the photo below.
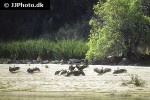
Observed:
{"x":45,"y":62}
{"x":55,"y":62}
{"x":63,"y":61}
{"x":74,"y":61}
{"x":34,"y":61}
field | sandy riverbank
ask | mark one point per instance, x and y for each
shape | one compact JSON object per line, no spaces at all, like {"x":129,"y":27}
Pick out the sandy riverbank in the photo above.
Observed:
{"x":46,"y":83}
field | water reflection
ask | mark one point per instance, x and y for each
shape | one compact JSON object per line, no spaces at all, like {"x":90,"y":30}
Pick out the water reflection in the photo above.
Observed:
{"x":35,"y":97}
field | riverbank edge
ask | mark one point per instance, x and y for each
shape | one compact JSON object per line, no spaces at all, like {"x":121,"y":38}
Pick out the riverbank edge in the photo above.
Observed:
{"x":77,"y":93}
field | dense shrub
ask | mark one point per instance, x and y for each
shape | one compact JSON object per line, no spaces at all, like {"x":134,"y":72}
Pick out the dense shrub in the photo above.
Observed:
{"x":135,"y":79}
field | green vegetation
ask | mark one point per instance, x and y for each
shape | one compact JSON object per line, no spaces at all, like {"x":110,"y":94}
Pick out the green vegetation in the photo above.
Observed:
{"x":136,"y":80}
{"x":43,"y":49}
{"x":118,"y":26}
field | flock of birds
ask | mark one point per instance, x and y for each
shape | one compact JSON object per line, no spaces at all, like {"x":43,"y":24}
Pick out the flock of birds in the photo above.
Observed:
{"x":72,"y":70}
{"x":78,"y":70}
{"x":29,"y":70}
{"x":103,"y":71}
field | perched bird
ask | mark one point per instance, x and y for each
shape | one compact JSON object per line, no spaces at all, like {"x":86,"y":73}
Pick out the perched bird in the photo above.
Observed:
{"x":119,"y":71}
{"x":71,"y":68}
{"x":99,"y":71}
{"x":57,"y":72}
{"x":62,"y":72}
{"x":29,"y":70}
{"x":81,"y":67}
{"x":14,"y":69}
{"x":69,"y":73}
{"x":107,"y":70}
{"x":77,"y":73}
{"x":36,"y":69}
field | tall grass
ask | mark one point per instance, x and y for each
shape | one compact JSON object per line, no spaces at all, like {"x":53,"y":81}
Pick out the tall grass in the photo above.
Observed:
{"x":45,"y":49}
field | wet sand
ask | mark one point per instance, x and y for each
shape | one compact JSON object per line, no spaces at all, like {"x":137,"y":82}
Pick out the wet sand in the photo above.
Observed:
{"x":92,"y":84}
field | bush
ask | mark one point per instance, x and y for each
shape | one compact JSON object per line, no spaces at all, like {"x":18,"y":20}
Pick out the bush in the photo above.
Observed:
{"x":136,"y":80}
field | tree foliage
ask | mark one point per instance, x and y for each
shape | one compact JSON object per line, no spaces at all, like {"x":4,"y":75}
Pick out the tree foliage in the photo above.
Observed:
{"x":117,"y":26}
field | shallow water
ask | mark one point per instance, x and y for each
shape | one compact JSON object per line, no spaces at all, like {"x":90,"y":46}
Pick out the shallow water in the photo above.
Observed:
{"x":35,"y":97}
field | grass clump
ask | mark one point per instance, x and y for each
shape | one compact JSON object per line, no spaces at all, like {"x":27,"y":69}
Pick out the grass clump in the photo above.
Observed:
{"x":135,"y":79}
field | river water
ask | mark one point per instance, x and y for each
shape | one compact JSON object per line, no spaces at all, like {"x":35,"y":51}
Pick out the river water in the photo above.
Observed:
{"x":47,"y":97}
